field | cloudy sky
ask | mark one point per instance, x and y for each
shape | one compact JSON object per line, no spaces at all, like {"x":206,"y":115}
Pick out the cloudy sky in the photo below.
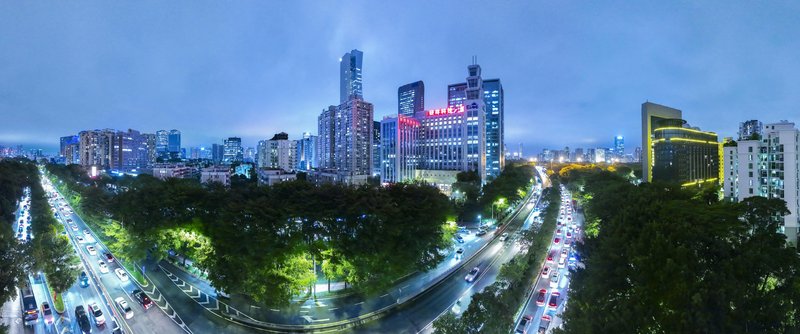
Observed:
{"x":575,"y":72}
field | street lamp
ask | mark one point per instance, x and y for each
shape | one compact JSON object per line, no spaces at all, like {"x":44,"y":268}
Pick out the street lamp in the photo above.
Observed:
{"x":499,"y":202}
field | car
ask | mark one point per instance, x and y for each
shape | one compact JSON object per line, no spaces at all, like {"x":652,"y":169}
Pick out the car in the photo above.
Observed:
{"x":473,"y":274}
{"x":540,"y":297}
{"x":569,"y":218}
{"x":564,"y":252}
{"x":109,"y":257}
{"x":83,"y":320}
{"x":80,"y":239}
{"x":556,"y":240}
{"x":47,"y":312}
{"x":84,"y":279}
{"x":567,"y":243}
{"x":103,"y":266}
{"x":99,"y":318}
{"x":544,"y":324}
{"x":562,"y":262}
{"x":522,"y":326}
{"x":550,"y":257}
{"x":123,"y":307}
{"x":554,"y":279}
{"x":142,"y":298}
{"x":569,"y":235}
{"x":87,"y":232}
{"x":504,"y":237}
{"x":19,"y":229}
{"x":480,"y":232}
{"x":554,"y":299}
{"x":546,"y":272}
{"x":91,"y":250}
{"x":115,"y":329}
{"x":123,"y":276}
{"x":459,"y":253}
{"x":459,"y":238}
{"x":74,"y":227}
{"x":69,"y":220}
{"x":558,"y":231}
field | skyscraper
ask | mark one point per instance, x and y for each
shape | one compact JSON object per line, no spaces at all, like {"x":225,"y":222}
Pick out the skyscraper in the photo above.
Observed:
{"x":676,"y":152}
{"x":411,"y":99}
{"x":619,"y":146}
{"x":217,"y":153}
{"x":174,"y":144}
{"x":307,"y":152}
{"x":493,"y":99}
{"x":353,"y":142}
{"x":232,"y":150}
{"x":326,"y":123}
{"x":350,"y":76}
{"x":475,"y":109}
{"x":376,"y":148}
{"x":162,"y":144}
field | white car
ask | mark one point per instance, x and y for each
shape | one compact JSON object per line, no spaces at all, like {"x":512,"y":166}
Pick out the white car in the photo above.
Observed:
{"x":123,"y":276}
{"x":87,"y":232}
{"x":74,"y":227}
{"x":504,"y":237}
{"x":103,"y":266}
{"x":124,"y":308}
{"x":562,"y":262}
{"x":99,"y":319}
{"x":472,"y":274}
{"x":91,"y":250}
{"x":564,"y":252}
{"x":554,"y":279}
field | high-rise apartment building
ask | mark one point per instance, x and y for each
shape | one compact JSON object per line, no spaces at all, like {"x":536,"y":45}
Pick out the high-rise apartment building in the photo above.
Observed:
{"x":70,"y":149}
{"x":748,"y":129}
{"x":307,"y":152}
{"x":278,"y":153}
{"x":150,"y":143}
{"x":376,"y":148}
{"x":249,"y":155}
{"x":399,"y":148}
{"x":111,"y":149}
{"x":767,"y":166}
{"x":326,"y":142}
{"x":676,"y":152}
{"x":350,"y":76}
{"x":232,"y":151}
{"x":353,"y":142}
{"x":411,"y":99}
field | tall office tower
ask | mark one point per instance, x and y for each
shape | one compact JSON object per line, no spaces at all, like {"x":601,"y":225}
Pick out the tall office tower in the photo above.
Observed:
{"x":442,"y":142}
{"x":411,"y":99}
{"x":376,"y":148}
{"x":493,"y":99}
{"x":232,"y":150}
{"x":749,"y":128}
{"x":399,"y":148}
{"x":174,"y":144}
{"x":95,"y":148}
{"x":353,"y":140}
{"x":676,"y":152}
{"x":129,"y":151}
{"x":456,"y":94}
{"x":217,"y":153}
{"x":150,"y":142}
{"x":475,"y":108}
{"x":278,"y":153}
{"x":326,"y":123}
{"x":350,"y":76}
{"x":162,"y":144}
{"x":767,"y":167}
{"x":619,"y":146}
{"x":70,"y":149}
{"x":307,"y":152}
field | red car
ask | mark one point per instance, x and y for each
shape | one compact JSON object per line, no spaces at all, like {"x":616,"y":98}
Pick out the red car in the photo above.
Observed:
{"x":556,"y":240}
{"x":553,"y":304}
{"x":546,"y":272}
{"x":541,"y":297}
{"x":109,"y":257}
{"x":550,"y":257}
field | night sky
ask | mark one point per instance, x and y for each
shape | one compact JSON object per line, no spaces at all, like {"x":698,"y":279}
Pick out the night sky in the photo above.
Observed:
{"x":575,"y":72}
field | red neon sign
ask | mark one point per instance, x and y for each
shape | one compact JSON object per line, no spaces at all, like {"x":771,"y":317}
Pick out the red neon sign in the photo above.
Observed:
{"x":445,"y":111}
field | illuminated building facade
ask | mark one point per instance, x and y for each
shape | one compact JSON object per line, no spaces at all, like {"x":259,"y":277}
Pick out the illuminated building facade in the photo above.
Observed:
{"x":350,"y":76}
{"x":685,"y":155}
{"x":232,"y":150}
{"x":399,"y":148}
{"x":411,"y":99}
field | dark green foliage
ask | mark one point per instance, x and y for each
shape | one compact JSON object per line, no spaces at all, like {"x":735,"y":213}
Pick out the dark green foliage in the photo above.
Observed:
{"x":668,"y":260}
{"x":15,"y":175}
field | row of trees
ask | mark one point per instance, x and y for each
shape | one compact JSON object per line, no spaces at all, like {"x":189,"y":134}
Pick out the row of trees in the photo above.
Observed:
{"x":15,"y":175}
{"x":264,"y":241}
{"x":669,"y":260}
{"x":501,"y":192}
{"x":492,"y":310}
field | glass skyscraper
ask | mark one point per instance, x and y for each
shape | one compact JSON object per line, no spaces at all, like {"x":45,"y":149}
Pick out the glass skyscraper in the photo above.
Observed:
{"x":307,"y":152}
{"x":493,"y":99}
{"x":411,"y":99}
{"x":232,"y":150}
{"x":350,"y":76}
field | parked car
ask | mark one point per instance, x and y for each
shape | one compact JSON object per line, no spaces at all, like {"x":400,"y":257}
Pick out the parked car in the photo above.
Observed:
{"x":47,"y":312}
{"x":459,"y":253}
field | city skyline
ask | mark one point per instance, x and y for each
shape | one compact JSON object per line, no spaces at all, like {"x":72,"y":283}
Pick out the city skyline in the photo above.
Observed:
{"x":225,"y":85}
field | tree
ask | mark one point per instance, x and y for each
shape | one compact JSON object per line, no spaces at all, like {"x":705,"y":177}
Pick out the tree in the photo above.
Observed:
{"x":448,"y":324}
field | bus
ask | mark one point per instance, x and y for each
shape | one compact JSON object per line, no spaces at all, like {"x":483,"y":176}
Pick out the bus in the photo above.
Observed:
{"x":29,"y":311}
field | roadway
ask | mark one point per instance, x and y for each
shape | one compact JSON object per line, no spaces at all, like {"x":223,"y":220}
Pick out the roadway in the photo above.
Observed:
{"x":569,"y":218}
{"x":454,"y":293}
{"x":104,"y":287}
